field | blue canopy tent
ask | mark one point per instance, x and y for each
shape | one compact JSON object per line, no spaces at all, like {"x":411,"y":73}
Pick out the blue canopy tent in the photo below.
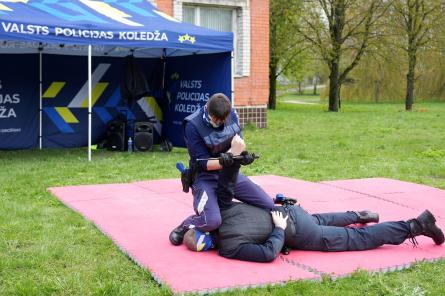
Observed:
{"x":110,"y":28}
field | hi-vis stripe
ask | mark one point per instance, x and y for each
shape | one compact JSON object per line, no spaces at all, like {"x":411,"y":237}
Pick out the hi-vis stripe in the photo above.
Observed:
{"x":82,"y":95}
{"x":95,"y":94}
{"x":151,"y":108}
{"x":4,"y":7}
{"x":53,"y":89}
{"x":67,"y":115}
{"x":111,"y":12}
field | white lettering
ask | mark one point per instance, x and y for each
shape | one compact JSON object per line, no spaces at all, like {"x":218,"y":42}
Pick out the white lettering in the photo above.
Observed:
{"x":5,"y":113}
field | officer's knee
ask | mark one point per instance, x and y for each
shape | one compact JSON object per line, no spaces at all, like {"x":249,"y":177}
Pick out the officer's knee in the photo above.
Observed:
{"x":213,"y":223}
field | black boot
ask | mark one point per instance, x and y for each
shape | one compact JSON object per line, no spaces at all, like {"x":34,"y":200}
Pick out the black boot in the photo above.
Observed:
{"x":177,"y":235}
{"x":364,"y":217}
{"x":425,"y":224}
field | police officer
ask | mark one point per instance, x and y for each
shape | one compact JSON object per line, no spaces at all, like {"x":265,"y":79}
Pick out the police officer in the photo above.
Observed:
{"x":253,"y":234}
{"x":213,"y":131}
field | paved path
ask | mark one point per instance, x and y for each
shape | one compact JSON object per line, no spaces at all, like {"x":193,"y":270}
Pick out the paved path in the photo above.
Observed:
{"x":299,"y":102}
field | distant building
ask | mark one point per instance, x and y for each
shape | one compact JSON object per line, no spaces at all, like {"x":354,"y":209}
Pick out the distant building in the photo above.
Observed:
{"x":249,"y":21}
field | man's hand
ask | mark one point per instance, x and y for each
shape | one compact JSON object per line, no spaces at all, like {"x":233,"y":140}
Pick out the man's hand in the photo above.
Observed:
{"x":279,"y":220}
{"x":225,"y":159}
{"x":237,"y":145}
{"x":247,"y":158}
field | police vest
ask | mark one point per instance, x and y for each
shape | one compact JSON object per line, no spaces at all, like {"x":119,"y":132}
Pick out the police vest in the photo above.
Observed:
{"x":217,"y":140}
{"x":243,"y":223}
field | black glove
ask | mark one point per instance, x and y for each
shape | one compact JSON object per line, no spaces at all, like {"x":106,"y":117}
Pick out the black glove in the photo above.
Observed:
{"x":246,"y":158}
{"x":225,"y":159}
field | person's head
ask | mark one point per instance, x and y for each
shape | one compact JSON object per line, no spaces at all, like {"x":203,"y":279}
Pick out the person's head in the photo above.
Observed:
{"x":198,"y":241}
{"x":219,"y":108}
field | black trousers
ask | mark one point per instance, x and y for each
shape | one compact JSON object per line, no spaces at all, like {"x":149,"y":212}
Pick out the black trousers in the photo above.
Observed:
{"x":327,"y":232}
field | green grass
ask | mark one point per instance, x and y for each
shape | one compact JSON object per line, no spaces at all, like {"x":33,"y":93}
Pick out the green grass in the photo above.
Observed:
{"x":47,"y":249}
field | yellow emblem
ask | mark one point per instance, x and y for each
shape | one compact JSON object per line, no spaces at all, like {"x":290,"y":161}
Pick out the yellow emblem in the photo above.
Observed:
{"x":187,"y":37}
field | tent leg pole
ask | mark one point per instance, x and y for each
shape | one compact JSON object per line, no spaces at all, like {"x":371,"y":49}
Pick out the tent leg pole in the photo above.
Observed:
{"x":232,"y":81}
{"x":89,"y":102}
{"x":40,"y":99}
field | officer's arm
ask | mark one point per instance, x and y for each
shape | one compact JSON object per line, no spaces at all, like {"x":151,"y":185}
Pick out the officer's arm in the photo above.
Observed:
{"x":265,"y":252}
{"x":236,"y":119}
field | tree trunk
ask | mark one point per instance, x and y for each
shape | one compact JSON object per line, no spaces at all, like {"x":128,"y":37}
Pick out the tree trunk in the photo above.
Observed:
{"x":273,"y":66}
{"x":272,"y":86}
{"x":409,"y":101}
{"x":377,"y":88}
{"x":334,"y":88}
{"x":315,"y":84}
{"x":300,"y":92}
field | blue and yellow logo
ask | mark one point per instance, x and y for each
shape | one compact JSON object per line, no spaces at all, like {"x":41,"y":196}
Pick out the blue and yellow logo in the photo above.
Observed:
{"x":187,"y":37}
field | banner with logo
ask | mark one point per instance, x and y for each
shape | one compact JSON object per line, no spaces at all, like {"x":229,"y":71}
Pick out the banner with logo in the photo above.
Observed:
{"x":190,"y":81}
{"x":188,"y":84}
{"x":19,"y":101}
{"x":65,"y":98}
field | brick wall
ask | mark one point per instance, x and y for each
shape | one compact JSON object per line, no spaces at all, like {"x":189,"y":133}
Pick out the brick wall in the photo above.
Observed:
{"x":251,"y":92}
{"x":165,"y":6}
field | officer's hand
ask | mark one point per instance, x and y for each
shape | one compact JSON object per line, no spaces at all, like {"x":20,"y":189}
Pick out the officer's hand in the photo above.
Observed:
{"x":225,"y":159}
{"x":237,"y":146}
{"x":247,"y":158}
{"x":279,"y":220}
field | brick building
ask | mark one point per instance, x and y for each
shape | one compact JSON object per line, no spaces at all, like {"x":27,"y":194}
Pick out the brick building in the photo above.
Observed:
{"x":249,"y":21}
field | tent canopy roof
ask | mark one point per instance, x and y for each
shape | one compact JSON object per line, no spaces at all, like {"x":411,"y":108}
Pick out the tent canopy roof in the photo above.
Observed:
{"x":112,"y":27}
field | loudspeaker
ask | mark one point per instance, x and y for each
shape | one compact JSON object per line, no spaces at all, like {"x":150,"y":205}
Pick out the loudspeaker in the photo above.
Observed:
{"x":143,"y":136}
{"x":116,"y":135}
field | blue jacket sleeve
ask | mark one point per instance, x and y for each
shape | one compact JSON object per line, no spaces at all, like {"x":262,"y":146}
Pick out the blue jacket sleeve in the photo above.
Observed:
{"x":265,"y":252}
{"x":196,"y":146}
{"x":235,"y":115}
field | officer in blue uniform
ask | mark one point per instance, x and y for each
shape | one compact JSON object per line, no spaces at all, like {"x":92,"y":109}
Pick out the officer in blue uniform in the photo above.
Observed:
{"x":254,"y":234}
{"x":213,"y":131}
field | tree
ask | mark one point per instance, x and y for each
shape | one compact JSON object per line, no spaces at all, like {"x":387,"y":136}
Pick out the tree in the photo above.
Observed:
{"x":284,"y":45}
{"x":416,"y":19}
{"x":340,"y":31}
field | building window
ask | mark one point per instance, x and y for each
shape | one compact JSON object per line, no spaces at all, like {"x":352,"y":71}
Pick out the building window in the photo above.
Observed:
{"x":216,"y":18}
{"x":225,"y":16}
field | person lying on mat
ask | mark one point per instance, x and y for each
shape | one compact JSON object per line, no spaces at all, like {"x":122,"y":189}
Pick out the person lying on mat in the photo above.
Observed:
{"x":254,"y":234}
{"x":213,"y":131}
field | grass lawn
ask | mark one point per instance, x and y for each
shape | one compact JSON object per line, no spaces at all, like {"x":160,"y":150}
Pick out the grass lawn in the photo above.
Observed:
{"x":47,"y":249}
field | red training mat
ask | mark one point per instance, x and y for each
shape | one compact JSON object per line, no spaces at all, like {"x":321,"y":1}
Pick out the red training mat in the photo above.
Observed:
{"x":139,"y":216}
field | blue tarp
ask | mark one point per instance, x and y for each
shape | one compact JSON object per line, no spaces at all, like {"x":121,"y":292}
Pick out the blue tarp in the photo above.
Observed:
{"x":110,"y":26}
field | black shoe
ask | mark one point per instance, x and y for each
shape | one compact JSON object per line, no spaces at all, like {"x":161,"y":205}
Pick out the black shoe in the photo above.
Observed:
{"x":364,"y":217}
{"x":425,"y":224}
{"x":177,"y":235}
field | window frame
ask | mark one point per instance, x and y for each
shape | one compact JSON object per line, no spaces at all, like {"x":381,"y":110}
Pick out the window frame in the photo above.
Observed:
{"x":240,"y":25}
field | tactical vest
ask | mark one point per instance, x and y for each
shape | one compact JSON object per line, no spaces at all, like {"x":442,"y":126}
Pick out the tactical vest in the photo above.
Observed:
{"x":243,"y":223}
{"x":217,"y":140}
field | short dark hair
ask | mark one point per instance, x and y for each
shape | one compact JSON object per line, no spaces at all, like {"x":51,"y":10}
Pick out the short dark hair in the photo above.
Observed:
{"x":219,"y":106}
{"x":189,"y":240}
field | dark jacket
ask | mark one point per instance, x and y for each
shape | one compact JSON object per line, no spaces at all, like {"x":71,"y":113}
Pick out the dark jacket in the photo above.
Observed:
{"x":248,"y":233}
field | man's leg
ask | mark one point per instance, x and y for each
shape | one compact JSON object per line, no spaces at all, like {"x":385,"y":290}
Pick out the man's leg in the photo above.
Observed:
{"x":311,"y":236}
{"x":345,"y":218}
{"x":207,"y":214}
{"x":227,"y":180}
{"x":251,"y":193}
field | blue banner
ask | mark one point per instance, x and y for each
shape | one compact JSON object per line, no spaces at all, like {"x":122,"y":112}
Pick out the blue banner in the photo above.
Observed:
{"x":190,"y":81}
{"x":19,"y":101}
{"x":65,"y":98}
